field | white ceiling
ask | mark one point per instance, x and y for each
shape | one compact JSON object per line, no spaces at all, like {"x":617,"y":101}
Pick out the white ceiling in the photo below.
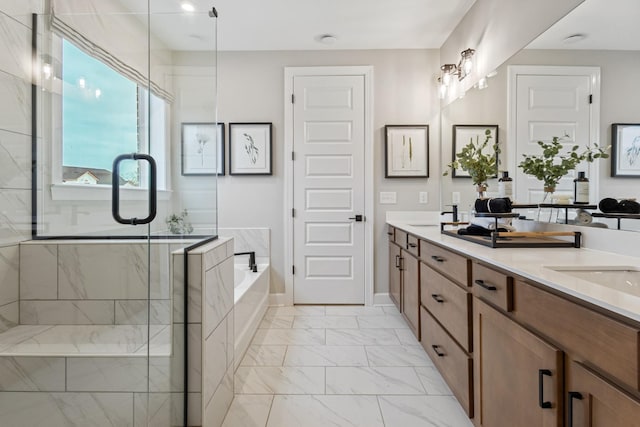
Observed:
{"x":607,"y":24}
{"x":297,"y":24}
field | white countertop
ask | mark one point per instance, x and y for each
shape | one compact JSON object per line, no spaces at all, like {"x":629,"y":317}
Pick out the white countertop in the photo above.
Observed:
{"x":533,"y":263}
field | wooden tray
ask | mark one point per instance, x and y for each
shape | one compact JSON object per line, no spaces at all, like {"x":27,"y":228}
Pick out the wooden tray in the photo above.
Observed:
{"x":519,"y":239}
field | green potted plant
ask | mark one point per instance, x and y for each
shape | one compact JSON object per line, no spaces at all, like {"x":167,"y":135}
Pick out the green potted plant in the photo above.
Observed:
{"x":550,"y":166}
{"x":479,"y":165}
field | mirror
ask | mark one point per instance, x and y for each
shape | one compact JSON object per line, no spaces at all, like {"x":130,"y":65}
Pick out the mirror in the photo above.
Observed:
{"x":595,"y":34}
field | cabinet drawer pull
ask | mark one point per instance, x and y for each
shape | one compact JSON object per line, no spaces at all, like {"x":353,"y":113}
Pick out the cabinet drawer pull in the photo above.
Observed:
{"x":438,"y":298}
{"x":439,"y":353}
{"x":436,"y":258}
{"x":389,"y":233}
{"x":573,"y":395}
{"x":541,"y":374}
{"x":397,"y":261}
{"x":484,"y":285}
{"x":413,"y":245}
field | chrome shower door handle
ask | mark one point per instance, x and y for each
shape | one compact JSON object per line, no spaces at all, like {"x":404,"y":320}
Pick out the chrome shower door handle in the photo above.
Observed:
{"x":115,"y":189}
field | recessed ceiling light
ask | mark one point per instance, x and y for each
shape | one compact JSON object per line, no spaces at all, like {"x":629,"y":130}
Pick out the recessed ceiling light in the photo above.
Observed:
{"x":327,"y":39}
{"x":187,"y":6}
{"x":574,"y":38}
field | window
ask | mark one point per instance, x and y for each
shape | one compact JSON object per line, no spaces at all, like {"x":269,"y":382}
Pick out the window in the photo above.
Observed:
{"x":104,"y":114}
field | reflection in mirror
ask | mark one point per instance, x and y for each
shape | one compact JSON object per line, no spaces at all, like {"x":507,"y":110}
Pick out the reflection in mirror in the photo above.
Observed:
{"x":596,"y":34}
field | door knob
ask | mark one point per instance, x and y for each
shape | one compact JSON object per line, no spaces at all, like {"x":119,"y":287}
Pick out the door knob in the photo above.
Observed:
{"x":358,"y":218}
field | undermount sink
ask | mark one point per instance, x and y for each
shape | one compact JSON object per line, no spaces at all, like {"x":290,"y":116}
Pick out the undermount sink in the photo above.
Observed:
{"x":622,"y":278}
{"x":424,"y":224}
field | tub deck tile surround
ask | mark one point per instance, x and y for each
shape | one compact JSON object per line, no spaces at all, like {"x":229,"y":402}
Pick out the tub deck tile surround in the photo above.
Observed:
{"x":363,"y":376}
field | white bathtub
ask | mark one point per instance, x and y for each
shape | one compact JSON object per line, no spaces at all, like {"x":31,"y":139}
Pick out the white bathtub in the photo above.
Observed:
{"x":251,"y":298}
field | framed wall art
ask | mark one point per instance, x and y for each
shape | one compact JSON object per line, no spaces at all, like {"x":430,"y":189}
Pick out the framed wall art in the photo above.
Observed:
{"x":202,"y":149}
{"x":625,"y":150}
{"x":406,"y":151}
{"x":464,"y":134}
{"x":250,"y":148}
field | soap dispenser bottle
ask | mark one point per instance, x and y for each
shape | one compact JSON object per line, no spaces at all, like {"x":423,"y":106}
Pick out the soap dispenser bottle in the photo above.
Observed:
{"x":581,"y":189}
{"x":505,"y":185}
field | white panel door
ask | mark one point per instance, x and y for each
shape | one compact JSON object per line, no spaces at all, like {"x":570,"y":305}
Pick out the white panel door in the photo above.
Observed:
{"x":548,"y":106}
{"x":328,"y":193}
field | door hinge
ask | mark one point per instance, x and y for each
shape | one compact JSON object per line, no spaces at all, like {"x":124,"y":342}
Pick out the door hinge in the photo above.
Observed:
{"x":293,"y":269}
{"x":293,"y":213}
{"x":293,"y":99}
{"x":590,"y":99}
{"x":293,"y":155}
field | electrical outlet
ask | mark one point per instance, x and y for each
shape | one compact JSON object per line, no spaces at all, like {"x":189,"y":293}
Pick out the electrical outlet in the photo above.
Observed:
{"x":423,"y":197}
{"x":455,"y":197}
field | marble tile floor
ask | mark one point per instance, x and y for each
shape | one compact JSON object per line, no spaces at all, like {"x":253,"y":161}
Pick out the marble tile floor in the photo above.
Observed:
{"x":322,"y":366}
{"x":86,"y":340}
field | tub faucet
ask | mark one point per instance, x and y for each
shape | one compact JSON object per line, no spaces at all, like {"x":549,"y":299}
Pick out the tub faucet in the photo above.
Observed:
{"x":453,"y":212}
{"x":252,"y":260}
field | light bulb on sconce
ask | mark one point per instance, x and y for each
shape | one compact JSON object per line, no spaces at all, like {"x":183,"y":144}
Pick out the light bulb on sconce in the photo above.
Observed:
{"x":466,"y":63}
{"x":447,"y":71}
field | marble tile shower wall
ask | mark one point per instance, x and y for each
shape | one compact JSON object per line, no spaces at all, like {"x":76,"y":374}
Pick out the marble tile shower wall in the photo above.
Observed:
{"x":250,"y":239}
{"x":119,"y":391}
{"x":15,"y":149}
{"x":211,"y":333}
{"x":93,"y":284}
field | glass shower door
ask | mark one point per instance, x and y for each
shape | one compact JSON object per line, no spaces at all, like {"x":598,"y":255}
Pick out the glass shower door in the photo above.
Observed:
{"x":103,"y":198}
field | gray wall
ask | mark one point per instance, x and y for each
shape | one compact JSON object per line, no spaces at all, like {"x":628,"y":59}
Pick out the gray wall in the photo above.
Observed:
{"x":251,"y":89}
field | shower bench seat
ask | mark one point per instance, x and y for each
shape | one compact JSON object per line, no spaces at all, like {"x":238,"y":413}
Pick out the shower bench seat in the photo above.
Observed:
{"x":86,"y":341}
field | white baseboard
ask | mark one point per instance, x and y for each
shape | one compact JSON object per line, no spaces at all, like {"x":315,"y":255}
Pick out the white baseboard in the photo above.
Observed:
{"x":277,"y":299}
{"x":378,"y":299}
{"x":382,"y":299}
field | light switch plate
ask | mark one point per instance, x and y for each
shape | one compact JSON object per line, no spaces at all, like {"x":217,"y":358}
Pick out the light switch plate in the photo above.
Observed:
{"x":455,"y":197}
{"x":387,"y":197}
{"x":423,"y":197}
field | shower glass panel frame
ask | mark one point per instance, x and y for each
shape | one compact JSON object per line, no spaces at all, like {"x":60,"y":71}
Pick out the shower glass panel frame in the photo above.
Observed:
{"x":133,"y":264}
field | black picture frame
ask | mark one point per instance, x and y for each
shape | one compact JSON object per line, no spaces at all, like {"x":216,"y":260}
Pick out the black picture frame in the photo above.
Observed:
{"x":625,"y":150}
{"x":254,"y":157}
{"x":189,"y":150}
{"x":460,"y":138}
{"x":399,"y":159}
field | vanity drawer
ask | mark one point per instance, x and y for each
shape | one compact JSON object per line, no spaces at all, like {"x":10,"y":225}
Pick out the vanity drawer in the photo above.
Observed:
{"x":391,"y":232}
{"x":400,"y":238}
{"x":452,"y":362}
{"x":446,"y":262}
{"x":589,"y":336}
{"x":447,"y":302}
{"x":492,"y":286}
{"x":412,"y":245}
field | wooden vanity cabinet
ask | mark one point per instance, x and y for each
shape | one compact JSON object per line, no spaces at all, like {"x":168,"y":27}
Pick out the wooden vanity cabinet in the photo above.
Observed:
{"x":404,"y":276}
{"x":587,"y":335}
{"x":592,"y":401}
{"x":411,"y":291}
{"x":518,"y":376}
{"x":455,"y":365}
{"x":395,"y":275}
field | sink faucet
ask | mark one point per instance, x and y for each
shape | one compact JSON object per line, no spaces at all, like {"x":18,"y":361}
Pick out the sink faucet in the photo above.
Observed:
{"x":453,"y":212}
{"x":252,"y":260}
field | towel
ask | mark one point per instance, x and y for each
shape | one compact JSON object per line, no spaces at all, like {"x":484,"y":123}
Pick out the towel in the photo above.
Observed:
{"x":497,"y":205}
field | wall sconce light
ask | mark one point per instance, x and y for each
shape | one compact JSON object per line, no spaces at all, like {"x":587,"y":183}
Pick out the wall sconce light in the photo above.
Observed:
{"x":462,"y":70}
